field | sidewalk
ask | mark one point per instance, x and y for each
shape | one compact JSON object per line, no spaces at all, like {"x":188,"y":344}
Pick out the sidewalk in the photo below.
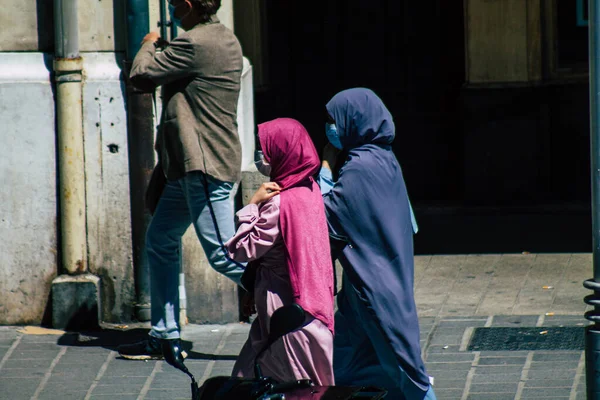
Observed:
{"x":455,"y":296}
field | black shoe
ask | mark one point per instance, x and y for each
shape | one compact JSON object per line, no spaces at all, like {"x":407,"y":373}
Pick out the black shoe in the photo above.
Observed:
{"x":149,"y":349}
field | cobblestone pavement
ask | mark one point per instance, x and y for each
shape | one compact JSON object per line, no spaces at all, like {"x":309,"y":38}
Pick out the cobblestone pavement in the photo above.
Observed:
{"x":455,"y":295}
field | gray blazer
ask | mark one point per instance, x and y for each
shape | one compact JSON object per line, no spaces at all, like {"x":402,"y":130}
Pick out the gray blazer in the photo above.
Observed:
{"x":200,"y":72}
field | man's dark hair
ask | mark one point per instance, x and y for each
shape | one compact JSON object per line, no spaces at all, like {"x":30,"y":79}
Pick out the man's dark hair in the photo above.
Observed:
{"x":206,"y":8}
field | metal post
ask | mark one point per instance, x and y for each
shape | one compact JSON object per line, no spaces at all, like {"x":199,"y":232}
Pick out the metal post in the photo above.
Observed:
{"x":592,"y":334}
{"x":140,"y":127}
{"x":163,"y":24}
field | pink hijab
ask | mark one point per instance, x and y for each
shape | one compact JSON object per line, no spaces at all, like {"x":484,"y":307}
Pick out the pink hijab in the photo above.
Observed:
{"x":294,"y":160}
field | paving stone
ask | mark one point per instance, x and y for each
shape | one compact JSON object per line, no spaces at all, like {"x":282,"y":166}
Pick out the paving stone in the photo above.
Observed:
{"x":424,"y":309}
{"x":59,"y":384}
{"x":26,"y":339}
{"x":491,"y":396}
{"x":23,"y":372}
{"x":574,"y":322}
{"x":461,"y":296}
{"x":448,"y":383}
{"x":502,"y":360}
{"x":37,"y":346}
{"x":548,"y":392}
{"x":222,"y":369}
{"x":124,"y":396}
{"x":122,"y":380}
{"x":87,"y":375}
{"x":494,"y":388}
{"x":546,"y":383}
{"x":552,"y":374}
{"x":458,"y":310}
{"x":554,"y":365}
{"x":101,"y":389}
{"x":449,"y":358}
{"x":441,"y":349}
{"x":11,"y":388}
{"x":519,"y":353}
{"x":450,"y":331}
{"x":427,"y":321}
{"x":33,"y":363}
{"x":496,"y":305}
{"x":170,"y":375}
{"x":446,"y":340}
{"x":461,"y":323}
{"x":168,"y":394}
{"x":170,"y":384}
{"x":24,"y":354}
{"x":65,"y":394}
{"x":58,"y":369}
{"x":431,"y":368}
{"x":130,"y":368}
{"x":448,"y":394}
{"x":497,"y":378}
{"x":498,"y":369}
{"x":450,"y":375}
{"x":556,"y":356}
{"x":515,"y":320}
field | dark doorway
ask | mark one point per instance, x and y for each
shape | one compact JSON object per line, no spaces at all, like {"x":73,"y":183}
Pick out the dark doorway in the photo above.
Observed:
{"x":412,"y":54}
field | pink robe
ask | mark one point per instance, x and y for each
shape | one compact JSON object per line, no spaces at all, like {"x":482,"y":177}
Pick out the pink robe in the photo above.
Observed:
{"x":304,"y":354}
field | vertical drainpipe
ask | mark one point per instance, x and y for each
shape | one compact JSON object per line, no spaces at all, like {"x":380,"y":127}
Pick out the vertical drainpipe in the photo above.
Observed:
{"x":140,"y":134}
{"x":76,"y":301}
{"x":592,"y":333}
{"x":68,"y":68}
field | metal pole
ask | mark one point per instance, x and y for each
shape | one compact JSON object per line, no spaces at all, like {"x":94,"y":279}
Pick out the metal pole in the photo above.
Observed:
{"x":592,"y":334}
{"x":66,"y":29}
{"x":68,"y":68}
{"x":163,"y":24}
{"x":140,"y":127}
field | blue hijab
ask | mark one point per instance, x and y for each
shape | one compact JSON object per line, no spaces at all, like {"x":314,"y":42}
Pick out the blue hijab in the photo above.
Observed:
{"x":369,"y":207}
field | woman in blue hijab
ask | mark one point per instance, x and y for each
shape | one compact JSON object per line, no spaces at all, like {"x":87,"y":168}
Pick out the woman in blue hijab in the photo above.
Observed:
{"x":370,"y":220}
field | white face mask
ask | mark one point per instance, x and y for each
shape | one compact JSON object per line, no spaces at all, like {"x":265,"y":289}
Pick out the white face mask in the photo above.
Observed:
{"x":262,"y":165}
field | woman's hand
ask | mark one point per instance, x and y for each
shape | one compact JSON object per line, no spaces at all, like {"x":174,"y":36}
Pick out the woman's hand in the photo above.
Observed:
{"x":330,"y":155}
{"x":265,"y":192}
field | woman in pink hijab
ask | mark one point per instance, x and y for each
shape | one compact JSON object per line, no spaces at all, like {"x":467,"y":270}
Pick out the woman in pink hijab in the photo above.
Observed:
{"x":283,"y":234}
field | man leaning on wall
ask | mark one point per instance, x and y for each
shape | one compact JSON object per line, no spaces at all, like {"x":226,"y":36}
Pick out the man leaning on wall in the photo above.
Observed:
{"x":199,"y":154}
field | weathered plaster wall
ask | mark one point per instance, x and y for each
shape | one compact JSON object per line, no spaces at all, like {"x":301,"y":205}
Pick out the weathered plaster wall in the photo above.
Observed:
{"x":27,"y":25}
{"x":28,"y":202}
{"x":107,"y":184}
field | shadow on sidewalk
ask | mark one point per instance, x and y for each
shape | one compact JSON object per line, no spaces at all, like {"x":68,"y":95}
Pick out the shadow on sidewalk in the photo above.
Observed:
{"x":110,"y":339}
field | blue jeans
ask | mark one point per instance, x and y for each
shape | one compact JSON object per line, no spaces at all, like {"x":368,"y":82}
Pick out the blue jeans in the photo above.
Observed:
{"x":184,"y":202}
{"x":362,"y":355}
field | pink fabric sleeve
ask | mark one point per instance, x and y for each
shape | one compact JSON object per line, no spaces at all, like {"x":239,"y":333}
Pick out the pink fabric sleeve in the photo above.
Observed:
{"x":257,"y":230}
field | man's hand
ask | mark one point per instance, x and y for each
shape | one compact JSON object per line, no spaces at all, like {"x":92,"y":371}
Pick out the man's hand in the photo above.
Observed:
{"x":265,"y":192}
{"x":330,"y":155}
{"x":151,"y":37}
